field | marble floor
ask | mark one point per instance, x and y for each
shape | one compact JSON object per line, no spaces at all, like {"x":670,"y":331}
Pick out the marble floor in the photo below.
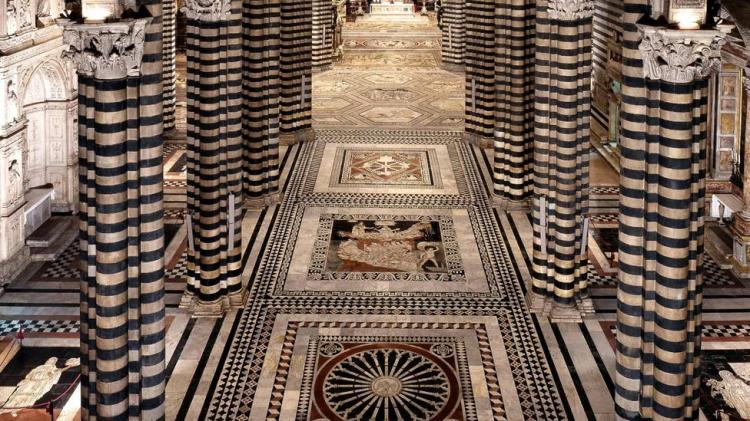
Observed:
{"x":384,"y":286}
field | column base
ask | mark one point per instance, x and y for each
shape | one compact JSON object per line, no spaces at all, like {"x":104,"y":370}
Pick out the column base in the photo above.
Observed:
{"x":536,"y":303}
{"x":211,"y":309}
{"x":500,"y":202}
{"x":238,"y":298}
{"x":297,"y":136}
{"x":263,"y":202}
{"x":557,"y":313}
{"x":479,"y":141}
{"x":565,"y":314}
{"x":452,"y":67}
{"x":187,"y":301}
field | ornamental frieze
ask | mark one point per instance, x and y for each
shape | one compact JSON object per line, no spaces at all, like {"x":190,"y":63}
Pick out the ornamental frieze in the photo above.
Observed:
{"x":570,"y":10}
{"x":112,"y":50}
{"x":680,"y":56}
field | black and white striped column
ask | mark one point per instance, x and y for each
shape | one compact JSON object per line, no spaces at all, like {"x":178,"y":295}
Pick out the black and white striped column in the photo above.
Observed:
{"x":121,"y":223}
{"x":214,"y":158}
{"x":561,"y":159}
{"x":663,"y":170}
{"x":296,"y":72}
{"x":261,"y":90}
{"x":322,"y":35}
{"x":454,"y":22}
{"x":514,"y":102}
{"x":169,"y":10}
{"x":479,"y":67}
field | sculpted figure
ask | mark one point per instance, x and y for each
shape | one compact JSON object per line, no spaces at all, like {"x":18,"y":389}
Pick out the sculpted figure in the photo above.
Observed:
{"x":12,"y":102}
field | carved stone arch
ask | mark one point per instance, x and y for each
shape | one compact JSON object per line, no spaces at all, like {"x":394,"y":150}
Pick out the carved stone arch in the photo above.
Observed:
{"x":48,"y":81}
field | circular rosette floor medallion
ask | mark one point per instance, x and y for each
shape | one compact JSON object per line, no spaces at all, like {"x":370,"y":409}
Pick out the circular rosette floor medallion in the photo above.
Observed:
{"x":386,"y":382}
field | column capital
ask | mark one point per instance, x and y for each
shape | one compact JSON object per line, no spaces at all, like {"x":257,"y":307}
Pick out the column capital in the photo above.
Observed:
{"x":746,"y":79}
{"x":111,"y":50}
{"x":680,"y":56}
{"x":207,"y":10}
{"x":571,"y":10}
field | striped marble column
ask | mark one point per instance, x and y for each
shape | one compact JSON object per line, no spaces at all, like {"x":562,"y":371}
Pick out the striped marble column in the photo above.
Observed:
{"x":479,"y":67}
{"x":453,"y":34}
{"x":296,"y":72}
{"x":322,"y":35}
{"x":261,"y":25}
{"x":169,"y":9}
{"x":214,"y":159}
{"x":121,"y":224}
{"x":662,"y":191}
{"x":514,"y":102}
{"x":561,"y":159}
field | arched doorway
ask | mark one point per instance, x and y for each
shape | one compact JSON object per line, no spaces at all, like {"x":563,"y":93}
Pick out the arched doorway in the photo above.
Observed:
{"x":50,"y":107}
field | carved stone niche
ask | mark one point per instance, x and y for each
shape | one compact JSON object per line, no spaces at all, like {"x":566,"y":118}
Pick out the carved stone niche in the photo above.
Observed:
{"x":11,"y":172}
{"x":111,"y":50}
{"x":681,"y":56}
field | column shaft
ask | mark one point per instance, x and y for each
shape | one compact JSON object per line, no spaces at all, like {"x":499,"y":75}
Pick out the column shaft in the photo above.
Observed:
{"x":322,"y":35}
{"x":169,"y":9}
{"x":561,"y":159}
{"x":453,"y":34}
{"x":261,"y":89}
{"x":662,"y":197}
{"x":514,"y":99}
{"x":296,"y":71}
{"x":214,"y":166}
{"x":479,"y":66}
{"x":122,"y":254}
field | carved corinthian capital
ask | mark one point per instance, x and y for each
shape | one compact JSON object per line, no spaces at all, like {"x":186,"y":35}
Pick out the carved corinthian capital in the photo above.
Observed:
{"x":112,"y":50}
{"x":570,"y":9}
{"x":680,"y":56}
{"x":207,"y":10}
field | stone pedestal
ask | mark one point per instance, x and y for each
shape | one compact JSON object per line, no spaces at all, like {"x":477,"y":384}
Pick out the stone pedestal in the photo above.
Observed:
{"x":740,"y":230}
{"x":13,"y":254}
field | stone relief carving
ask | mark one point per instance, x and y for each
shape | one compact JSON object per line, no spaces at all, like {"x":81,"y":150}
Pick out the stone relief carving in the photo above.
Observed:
{"x":207,"y":10}
{"x":15,"y":183}
{"x":107,"y":50}
{"x":11,"y":102}
{"x":570,"y":9}
{"x":19,"y":16}
{"x":676,"y":56}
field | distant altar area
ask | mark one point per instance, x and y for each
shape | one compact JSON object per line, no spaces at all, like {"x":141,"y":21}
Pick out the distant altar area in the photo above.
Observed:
{"x":392,"y":7}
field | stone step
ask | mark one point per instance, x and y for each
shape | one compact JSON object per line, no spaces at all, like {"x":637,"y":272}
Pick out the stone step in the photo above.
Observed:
{"x":54,"y":250}
{"x":50,"y":231}
{"x":718,"y":244}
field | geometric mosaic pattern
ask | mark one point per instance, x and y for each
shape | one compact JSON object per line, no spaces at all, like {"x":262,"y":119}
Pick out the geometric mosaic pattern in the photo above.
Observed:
{"x":267,"y":344}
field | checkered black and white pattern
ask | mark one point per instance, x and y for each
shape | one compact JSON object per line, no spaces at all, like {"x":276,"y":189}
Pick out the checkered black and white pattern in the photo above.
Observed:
{"x":8,"y":327}
{"x":713,"y":276}
{"x":180,"y":269}
{"x":65,"y":265}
